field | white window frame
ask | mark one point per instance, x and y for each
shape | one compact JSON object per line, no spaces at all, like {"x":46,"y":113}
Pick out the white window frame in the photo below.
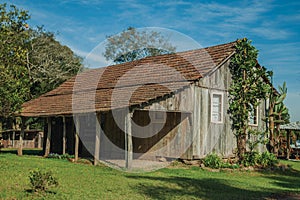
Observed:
{"x":255,"y":117}
{"x":212,"y":119}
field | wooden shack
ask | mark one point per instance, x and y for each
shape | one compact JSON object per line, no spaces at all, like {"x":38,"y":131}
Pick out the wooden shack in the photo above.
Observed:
{"x":168,"y":106}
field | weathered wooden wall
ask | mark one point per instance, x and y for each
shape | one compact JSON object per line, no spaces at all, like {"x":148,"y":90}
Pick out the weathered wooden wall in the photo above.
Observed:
{"x":216,"y":137}
{"x":177,"y":131}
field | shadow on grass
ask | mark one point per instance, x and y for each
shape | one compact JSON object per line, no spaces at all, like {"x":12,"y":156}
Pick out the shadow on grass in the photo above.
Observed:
{"x":191,"y":188}
{"x":32,"y":194}
{"x":31,"y":152}
{"x":41,"y":192}
{"x":288,"y":179}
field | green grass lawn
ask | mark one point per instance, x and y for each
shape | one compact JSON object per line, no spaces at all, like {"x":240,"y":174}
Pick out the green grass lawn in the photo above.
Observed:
{"x":81,"y":181}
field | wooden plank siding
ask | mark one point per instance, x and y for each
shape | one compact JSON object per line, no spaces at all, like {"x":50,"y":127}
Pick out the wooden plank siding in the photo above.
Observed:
{"x":217,"y":137}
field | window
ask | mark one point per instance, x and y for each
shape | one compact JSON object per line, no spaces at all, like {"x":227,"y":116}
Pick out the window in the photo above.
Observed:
{"x":217,"y":108}
{"x":253,"y":115}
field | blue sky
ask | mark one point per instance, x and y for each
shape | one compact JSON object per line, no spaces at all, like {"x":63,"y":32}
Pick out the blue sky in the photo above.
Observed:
{"x":273,"y":26}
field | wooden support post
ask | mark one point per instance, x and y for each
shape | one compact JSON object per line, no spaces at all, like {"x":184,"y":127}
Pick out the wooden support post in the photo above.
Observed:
{"x":64,"y":135}
{"x":48,"y":139}
{"x":128,"y":141}
{"x":77,"y":128}
{"x":97,"y":139}
{"x":288,"y":144}
{"x":13,"y":139}
{"x":39,"y":141}
{"x":20,"y":149}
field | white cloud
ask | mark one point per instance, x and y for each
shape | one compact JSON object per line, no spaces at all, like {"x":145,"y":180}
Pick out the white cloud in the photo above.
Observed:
{"x":271,"y":33}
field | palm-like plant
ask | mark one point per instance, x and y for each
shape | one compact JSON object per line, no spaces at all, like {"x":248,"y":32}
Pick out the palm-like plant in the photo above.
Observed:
{"x":278,"y":114}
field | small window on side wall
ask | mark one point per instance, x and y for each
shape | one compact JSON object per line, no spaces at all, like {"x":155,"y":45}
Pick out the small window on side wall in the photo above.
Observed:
{"x":253,"y":116}
{"x":217,"y":108}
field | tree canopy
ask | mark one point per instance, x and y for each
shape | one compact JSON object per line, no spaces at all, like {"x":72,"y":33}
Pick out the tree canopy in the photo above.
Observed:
{"x":32,"y":61}
{"x":50,"y":63}
{"x":14,"y":80}
{"x":132,"y":44}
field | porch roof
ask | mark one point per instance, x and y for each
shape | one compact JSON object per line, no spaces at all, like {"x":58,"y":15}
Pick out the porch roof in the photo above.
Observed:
{"x":291,"y":126}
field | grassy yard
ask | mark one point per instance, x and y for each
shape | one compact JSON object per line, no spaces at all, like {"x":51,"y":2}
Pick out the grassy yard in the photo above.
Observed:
{"x":81,"y":181}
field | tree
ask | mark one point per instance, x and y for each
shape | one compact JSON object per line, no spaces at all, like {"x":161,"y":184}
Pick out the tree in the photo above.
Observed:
{"x":32,"y":62}
{"x":278,"y":114}
{"x":50,"y":63}
{"x":246,"y":91}
{"x":14,"y":80}
{"x":132,"y":45}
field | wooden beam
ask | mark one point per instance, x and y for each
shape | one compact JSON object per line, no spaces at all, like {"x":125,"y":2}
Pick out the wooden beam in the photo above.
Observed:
{"x":128,"y":141}
{"x":20,"y":149}
{"x":48,"y":139}
{"x":64,"y":135}
{"x":288,"y":144}
{"x":77,"y":130}
{"x":97,"y":139}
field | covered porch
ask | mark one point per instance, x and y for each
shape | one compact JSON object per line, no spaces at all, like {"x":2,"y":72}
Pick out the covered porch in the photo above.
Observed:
{"x":121,"y":138}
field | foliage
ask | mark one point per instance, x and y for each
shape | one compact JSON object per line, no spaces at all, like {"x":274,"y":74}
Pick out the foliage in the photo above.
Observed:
{"x":257,"y":137}
{"x":50,"y":63}
{"x":14,"y":81}
{"x":278,"y":114}
{"x":41,"y":181}
{"x":132,"y":45}
{"x":248,"y":87}
{"x":263,"y":160}
{"x":213,"y":161}
{"x":58,"y":156}
{"x":250,"y":159}
{"x":267,"y":159}
{"x":32,"y":62}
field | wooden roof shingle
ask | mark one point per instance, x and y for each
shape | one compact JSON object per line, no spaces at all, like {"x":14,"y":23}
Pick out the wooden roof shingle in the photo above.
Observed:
{"x":128,"y":84}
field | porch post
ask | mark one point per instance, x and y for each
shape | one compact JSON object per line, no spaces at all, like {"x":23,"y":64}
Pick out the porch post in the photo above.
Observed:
{"x":39,"y":140}
{"x":77,"y":130}
{"x":128,"y":141}
{"x":48,"y":141}
{"x":97,"y":139}
{"x":288,"y":144}
{"x":64,"y":135}
{"x":20,"y":149}
{"x":13,"y":139}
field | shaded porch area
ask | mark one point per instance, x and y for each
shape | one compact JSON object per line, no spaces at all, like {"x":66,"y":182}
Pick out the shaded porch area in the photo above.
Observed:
{"x":120,"y":138}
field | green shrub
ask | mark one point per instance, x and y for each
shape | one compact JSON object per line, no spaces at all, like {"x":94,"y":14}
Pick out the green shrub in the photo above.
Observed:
{"x":267,"y":159}
{"x":41,"y":181}
{"x":250,"y":159}
{"x":229,"y":165}
{"x":213,"y":161}
{"x":58,"y":156}
{"x":264,"y":159}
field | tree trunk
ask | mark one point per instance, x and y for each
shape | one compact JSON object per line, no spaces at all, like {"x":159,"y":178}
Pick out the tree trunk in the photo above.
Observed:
{"x":20,"y":149}
{"x":241,"y":145}
{"x":277,"y":138}
{"x":271,"y":127}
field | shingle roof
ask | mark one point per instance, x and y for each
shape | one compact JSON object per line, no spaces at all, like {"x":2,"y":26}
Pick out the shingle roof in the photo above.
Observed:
{"x":131,"y":83}
{"x":291,"y":126}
